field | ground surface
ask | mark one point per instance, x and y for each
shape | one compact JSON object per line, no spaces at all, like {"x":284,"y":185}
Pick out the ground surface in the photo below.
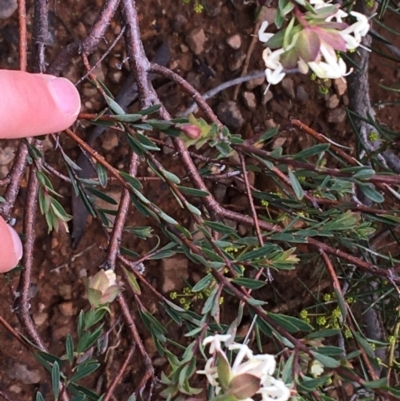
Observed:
{"x":227,"y":28}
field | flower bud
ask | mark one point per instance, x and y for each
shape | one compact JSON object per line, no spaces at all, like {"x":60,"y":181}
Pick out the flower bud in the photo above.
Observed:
{"x":102,"y":288}
{"x":191,"y":131}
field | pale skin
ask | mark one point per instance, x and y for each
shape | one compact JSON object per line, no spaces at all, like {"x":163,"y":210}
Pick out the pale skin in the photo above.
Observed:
{"x":31,"y":104}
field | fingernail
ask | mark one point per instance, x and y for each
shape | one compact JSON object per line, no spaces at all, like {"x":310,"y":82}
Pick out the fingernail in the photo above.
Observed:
{"x":16,"y":242}
{"x":65,"y":95}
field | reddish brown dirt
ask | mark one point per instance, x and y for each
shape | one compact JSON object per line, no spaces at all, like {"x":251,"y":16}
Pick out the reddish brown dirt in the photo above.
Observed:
{"x":58,"y":268}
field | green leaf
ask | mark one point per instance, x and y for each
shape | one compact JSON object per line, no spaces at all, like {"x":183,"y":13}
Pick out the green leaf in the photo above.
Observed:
{"x":88,"y":339}
{"x":51,"y":358}
{"x":172,"y":313}
{"x":193,"y":209}
{"x":203,"y":283}
{"x":290,"y":323}
{"x":311,"y":384}
{"x":298,"y":190}
{"x":132,"y":282}
{"x":330,"y":350}
{"x":135,"y":183}
{"x":257,"y":253}
{"x":83,"y":370}
{"x":371,"y":193}
{"x":323,"y":333}
{"x":153,"y":322}
{"x":256,"y":302}
{"x":142,"y":232}
{"x":141,"y":197}
{"x":193,"y":191}
{"x":81,"y":322}
{"x":128,"y":252}
{"x":114,"y":106}
{"x":209,"y":302}
{"x":167,"y":218}
{"x":312,"y":151}
{"x":136,"y":146}
{"x":55,"y":380}
{"x":71,"y":163}
{"x":224,"y":371}
{"x":159,"y":124}
{"x":102,"y":175}
{"x":149,"y":110}
{"x":220,"y":228}
{"x":69,"y":347}
{"x":341,"y":302}
{"x":364,"y":174}
{"x":102,"y":195}
{"x":376,"y":383}
{"x":80,"y":397}
{"x":325,"y":360}
{"x":287,"y":371}
{"x":128,"y":118}
{"x":146,"y":142}
{"x":268,"y":134}
{"x":249,"y":283}
{"x":364,"y":344}
{"x":170,"y":176}
{"x":76,"y":389}
{"x":39,"y":396}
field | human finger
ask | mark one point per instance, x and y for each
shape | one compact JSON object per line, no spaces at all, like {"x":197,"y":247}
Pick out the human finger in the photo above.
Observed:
{"x":10,"y":247}
{"x":35,"y":104}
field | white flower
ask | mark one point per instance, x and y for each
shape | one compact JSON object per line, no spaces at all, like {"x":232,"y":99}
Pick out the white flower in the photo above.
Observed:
{"x":210,"y":371}
{"x":271,"y":58}
{"x":215,"y":342}
{"x":274,"y":71}
{"x":262,"y":35}
{"x":274,"y":76}
{"x":332,"y":67}
{"x":257,"y":365}
{"x":274,"y":390}
{"x":261,"y":366}
{"x":359,"y":29}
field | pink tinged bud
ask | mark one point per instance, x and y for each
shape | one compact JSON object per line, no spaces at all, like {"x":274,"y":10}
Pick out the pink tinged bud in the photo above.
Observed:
{"x":102,"y":288}
{"x":191,"y":131}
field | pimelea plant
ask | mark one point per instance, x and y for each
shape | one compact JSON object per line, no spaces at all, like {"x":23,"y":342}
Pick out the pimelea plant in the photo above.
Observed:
{"x":317,"y":224}
{"x":248,"y":375}
{"x":315,"y":34}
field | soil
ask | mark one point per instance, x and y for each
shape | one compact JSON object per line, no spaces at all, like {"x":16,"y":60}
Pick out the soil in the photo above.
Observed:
{"x":58,"y":291}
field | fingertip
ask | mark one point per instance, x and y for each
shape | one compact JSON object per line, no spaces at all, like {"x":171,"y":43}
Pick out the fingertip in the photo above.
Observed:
{"x":65,"y":96}
{"x":36,"y":104}
{"x":10,"y":247}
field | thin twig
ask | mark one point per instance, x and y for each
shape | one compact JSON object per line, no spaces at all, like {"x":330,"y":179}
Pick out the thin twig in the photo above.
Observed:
{"x":148,"y":373}
{"x":23,"y":44}
{"x":40,"y":34}
{"x":250,"y":199}
{"x":118,"y":226}
{"x":23,"y":310}
{"x":89,"y":44}
{"x":118,"y":377}
{"x":106,"y":53}
{"x":225,"y":85}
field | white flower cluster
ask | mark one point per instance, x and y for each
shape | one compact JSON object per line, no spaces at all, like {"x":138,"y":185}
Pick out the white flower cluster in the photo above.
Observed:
{"x":332,"y":35}
{"x":246,"y":363}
